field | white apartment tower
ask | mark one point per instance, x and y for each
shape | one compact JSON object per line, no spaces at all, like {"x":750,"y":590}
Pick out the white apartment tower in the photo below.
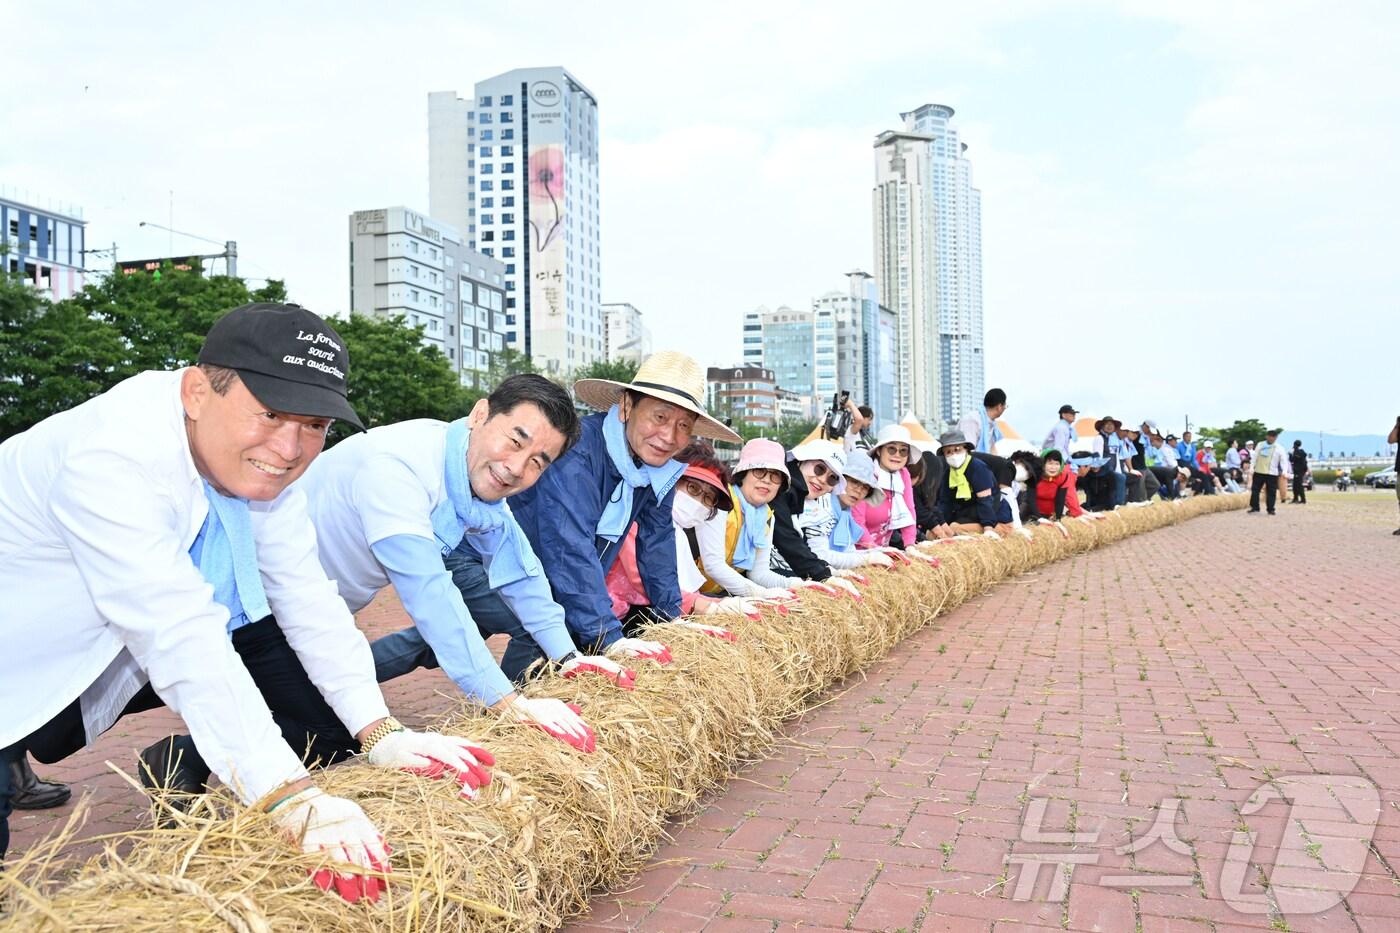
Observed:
{"x":405,"y":264}
{"x":517,"y":168}
{"x":625,"y":337}
{"x":906,"y":248}
{"x":949,"y":211}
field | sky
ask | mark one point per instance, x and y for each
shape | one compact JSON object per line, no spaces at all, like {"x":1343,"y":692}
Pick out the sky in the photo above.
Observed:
{"x":1189,"y":208}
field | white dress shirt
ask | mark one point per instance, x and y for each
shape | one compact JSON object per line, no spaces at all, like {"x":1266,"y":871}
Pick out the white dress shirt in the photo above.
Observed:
{"x":98,"y":508}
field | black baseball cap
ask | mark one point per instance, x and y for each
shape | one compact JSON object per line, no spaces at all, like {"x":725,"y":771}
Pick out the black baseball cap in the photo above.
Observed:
{"x":1068,"y":410}
{"x":290,"y":359}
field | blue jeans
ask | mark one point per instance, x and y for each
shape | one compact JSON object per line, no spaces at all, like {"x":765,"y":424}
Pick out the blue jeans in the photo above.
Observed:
{"x":407,"y":650}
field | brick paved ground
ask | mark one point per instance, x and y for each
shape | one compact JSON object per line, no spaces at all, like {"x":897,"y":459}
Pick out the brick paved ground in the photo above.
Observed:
{"x":1191,"y":664}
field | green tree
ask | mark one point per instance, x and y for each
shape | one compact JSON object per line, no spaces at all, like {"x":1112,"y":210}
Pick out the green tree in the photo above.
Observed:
{"x":394,"y":376}
{"x":615,"y":370}
{"x":163,"y":321}
{"x":1250,"y":429}
{"x":505,"y":362}
{"x":52,"y":357}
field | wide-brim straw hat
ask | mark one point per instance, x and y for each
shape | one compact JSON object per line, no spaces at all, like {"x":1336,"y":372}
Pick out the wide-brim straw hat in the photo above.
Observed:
{"x":670,"y":376}
{"x":1098,"y":425}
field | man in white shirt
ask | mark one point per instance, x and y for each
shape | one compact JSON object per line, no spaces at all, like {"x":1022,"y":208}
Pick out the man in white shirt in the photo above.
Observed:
{"x":981,"y":428}
{"x":396,"y":505}
{"x":1270,"y":462}
{"x":141,"y":527}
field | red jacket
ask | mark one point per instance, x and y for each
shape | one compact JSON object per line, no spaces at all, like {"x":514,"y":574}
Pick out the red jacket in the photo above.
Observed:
{"x":1048,"y":487}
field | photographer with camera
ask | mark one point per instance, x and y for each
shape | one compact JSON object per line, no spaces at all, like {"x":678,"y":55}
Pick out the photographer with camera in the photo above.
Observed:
{"x":847,"y":423}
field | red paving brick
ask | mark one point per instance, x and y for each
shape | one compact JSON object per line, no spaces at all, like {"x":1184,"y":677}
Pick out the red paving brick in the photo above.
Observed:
{"x":1194,"y":663}
{"x":1200,"y":661}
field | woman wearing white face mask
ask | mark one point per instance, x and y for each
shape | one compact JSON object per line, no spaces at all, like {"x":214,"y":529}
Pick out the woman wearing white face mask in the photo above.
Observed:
{"x":968,"y":500}
{"x":699,"y":498}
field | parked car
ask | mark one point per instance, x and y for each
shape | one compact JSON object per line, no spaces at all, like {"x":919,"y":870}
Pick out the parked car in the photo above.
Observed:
{"x":1385,"y":479}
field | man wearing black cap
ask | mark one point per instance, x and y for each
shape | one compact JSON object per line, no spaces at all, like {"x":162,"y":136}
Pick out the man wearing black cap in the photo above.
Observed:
{"x":1061,"y":436}
{"x":147,"y":530}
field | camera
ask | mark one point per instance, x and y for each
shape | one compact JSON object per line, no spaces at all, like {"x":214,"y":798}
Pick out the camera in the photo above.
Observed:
{"x":838,"y":418}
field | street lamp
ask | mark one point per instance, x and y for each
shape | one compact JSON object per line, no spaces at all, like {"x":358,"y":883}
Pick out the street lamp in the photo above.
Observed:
{"x":229,"y":255}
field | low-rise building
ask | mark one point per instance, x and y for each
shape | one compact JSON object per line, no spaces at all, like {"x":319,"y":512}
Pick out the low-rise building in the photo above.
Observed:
{"x":45,"y":244}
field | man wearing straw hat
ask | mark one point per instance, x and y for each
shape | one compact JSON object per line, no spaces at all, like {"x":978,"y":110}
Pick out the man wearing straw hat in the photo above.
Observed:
{"x":150,"y":533}
{"x":620,"y":473}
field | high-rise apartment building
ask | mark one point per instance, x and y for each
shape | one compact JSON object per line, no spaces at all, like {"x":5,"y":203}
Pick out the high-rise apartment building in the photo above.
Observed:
{"x":625,"y":337}
{"x":404,"y":263}
{"x":928,"y":262}
{"x":529,"y":154}
{"x":46,"y":245}
{"x":864,"y":347}
{"x":785,"y":341}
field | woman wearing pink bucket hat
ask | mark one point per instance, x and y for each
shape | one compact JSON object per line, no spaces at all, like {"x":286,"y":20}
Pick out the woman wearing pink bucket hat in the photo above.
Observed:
{"x":734,"y":549}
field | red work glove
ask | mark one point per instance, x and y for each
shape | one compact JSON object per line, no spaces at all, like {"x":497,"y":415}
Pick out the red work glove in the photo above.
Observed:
{"x":562,"y":720}
{"x":433,"y":755}
{"x":596,"y":664}
{"x":318,"y":822}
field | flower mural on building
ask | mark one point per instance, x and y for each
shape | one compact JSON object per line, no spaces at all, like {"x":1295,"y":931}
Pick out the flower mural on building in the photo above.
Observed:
{"x":546,"y":194}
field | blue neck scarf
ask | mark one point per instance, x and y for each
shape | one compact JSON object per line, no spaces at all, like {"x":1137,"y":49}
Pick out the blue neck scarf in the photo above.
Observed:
{"x":847,"y":531}
{"x":617,"y":513}
{"x":753,"y":531}
{"x":228,"y":560}
{"x":462,"y":514}
{"x":989,"y":435}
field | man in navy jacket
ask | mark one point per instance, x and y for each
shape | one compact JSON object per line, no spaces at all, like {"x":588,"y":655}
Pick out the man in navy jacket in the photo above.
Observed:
{"x":620,"y":473}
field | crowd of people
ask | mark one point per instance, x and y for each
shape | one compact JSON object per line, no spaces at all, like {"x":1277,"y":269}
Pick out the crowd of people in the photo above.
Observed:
{"x":183,"y":540}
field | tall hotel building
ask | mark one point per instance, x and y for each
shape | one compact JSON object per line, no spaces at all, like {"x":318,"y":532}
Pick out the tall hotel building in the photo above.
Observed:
{"x":928,"y":263}
{"x":516,"y":170}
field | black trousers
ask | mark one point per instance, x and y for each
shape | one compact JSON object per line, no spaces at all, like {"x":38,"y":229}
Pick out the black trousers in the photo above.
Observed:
{"x":1300,"y":494}
{"x":307,"y":722}
{"x":1267,"y":482}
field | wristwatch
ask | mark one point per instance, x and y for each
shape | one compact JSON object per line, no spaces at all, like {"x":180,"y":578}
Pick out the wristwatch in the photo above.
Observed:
{"x":567,"y":658}
{"x":386,"y":726}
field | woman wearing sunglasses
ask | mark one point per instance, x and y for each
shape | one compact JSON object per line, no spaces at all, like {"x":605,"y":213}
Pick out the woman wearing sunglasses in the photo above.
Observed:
{"x":893,"y":522}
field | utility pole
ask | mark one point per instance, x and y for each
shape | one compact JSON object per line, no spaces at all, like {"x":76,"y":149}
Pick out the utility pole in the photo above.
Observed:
{"x":229,"y":255}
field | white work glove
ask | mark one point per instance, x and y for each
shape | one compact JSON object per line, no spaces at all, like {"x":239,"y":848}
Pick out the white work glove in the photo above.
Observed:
{"x":1025,"y":532}
{"x":846,"y":585}
{"x":895,"y":555}
{"x":433,"y":755}
{"x":991,"y":533}
{"x":876,"y":558}
{"x":597,"y":664}
{"x":714,"y":631}
{"x":779,"y":593}
{"x":318,"y":822}
{"x":852,"y":575}
{"x":741,"y":605}
{"x":918,"y":553}
{"x":638,"y":648}
{"x":562,"y":720}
